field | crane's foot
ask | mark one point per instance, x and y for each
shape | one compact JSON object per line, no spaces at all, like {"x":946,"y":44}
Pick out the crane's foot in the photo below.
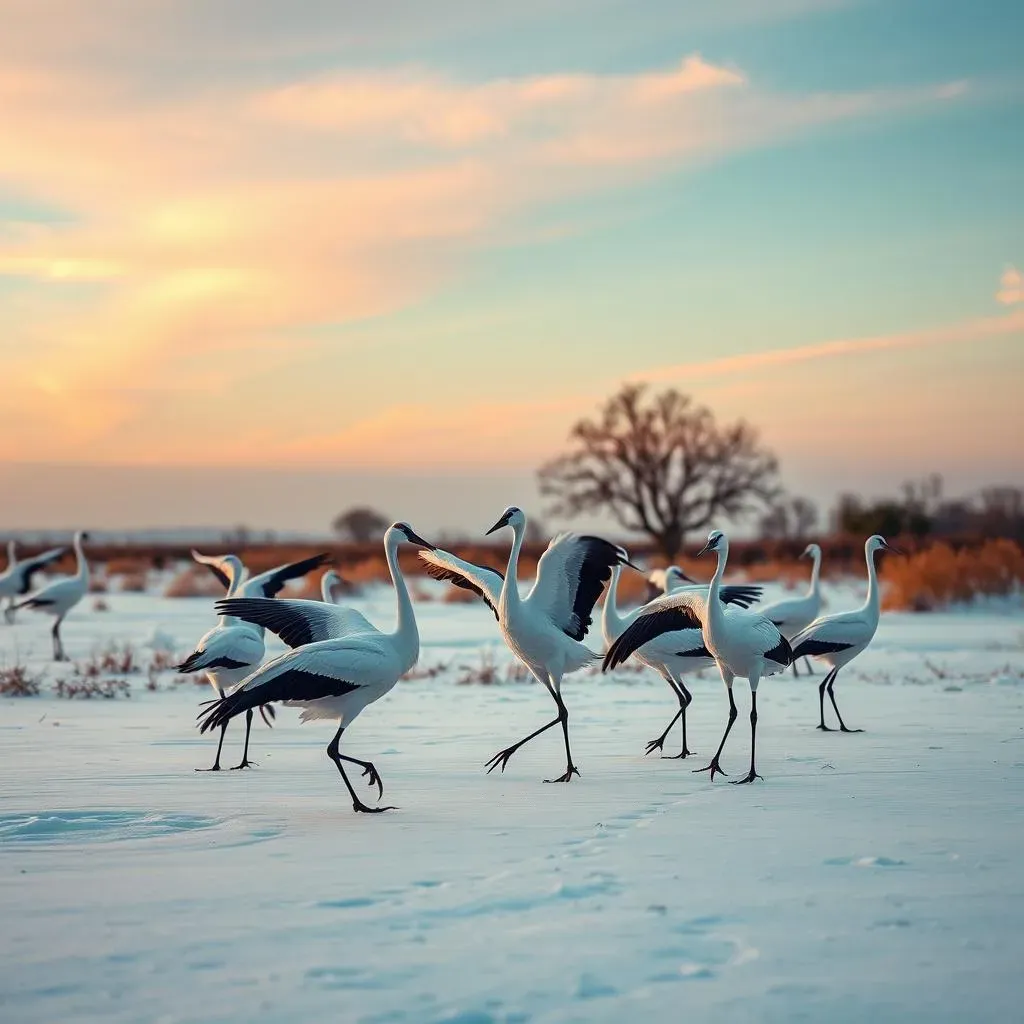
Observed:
{"x":244,"y":763}
{"x":654,"y":745}
{"x":843,"y":728}
{"x":374,"y":777}
{"x":824,"y":728}
{"x":681,"y":756}
{"x":749,"y":778}
{"x":570,"y":771}
{"x":501,"y":758}
{"x":715,"y":768}
{"x":360,"y":806}
{"x":215,"y":768}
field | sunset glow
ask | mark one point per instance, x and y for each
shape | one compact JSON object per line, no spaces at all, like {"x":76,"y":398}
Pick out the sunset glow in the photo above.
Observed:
{"x":322,"y":241}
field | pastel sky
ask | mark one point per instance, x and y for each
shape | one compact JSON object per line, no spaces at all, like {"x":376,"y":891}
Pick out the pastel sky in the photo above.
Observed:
{"x":263,"y":259}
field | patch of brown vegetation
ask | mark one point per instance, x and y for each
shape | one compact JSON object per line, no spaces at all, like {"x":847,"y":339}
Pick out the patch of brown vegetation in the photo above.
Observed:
{"x":940,"y":576}
{"x":16,"y":681}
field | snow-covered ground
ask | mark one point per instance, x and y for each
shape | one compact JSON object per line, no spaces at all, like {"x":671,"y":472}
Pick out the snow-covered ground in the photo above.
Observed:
{"x":874,"y":877}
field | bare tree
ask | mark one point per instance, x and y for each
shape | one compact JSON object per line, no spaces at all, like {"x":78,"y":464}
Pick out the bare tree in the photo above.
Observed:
{"x":661,"y":466}
{"x":360,"y":525}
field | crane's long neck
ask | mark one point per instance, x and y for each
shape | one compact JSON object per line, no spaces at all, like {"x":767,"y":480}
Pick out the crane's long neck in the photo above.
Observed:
{"x":872,"y":602}
{"x":83,"y":565}
{"x":510,"y":600}
{"x":612,"y":622}
{"x":716,"y":616}
{"x":812,"y":590}
{"x":406,"y":633}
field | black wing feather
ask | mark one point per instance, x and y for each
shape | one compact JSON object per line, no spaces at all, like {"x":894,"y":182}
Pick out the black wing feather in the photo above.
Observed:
{"x":295,"y":684}
{"x":440,"y":572}
{"x":809,"y":648}
{"x":781,"y":653}
{"x":696,"y":652}
{"x":189,"y":664}
{"x":743,"y":595}
{"x":595,"y":570}
{"x":646,"y":627}
{"x":292,"y":571}
{"x":34,"y":565}
{"x":291,"y":626}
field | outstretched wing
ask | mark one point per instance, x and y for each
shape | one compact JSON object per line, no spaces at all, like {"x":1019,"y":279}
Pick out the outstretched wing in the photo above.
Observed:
{"x":227,"y":568}
{"x":296,"y":622}
{"x":481,"y":579}
{"x":271,"y":582}
{"x":329,"y":669}
{"x":741,"y":595}
{"x":33,"y":565}
{"x":571,"y":574}
{"x":681,"y":610}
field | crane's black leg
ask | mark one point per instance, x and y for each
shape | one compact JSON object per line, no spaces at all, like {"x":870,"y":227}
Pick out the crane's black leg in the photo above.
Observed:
{"x":752,"y":774}
{"x":715,"y":766}
{"x":659,"y":743}
{"x":58,"y":645}
{"x":368,"y":769}
{"x":563,"y":717}
{"x":502,"y":756}
{"x":796,"y":673}
{"x":336,"y":756}
{"x":216,"y":763}
{"x":808,"y":666}
{"x":685,"y":700}
{"x":832,"y":697}
{"x":245,"y":762}
{"x":821,"y":700}
{"x":9,"y":611}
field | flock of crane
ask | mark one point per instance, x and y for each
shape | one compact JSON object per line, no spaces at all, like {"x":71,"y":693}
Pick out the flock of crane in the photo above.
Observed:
{"x":338,"y":662}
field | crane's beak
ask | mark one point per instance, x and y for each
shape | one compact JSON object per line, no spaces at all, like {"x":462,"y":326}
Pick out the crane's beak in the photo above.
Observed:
{"x":502,"y":522}
{"x":895,"y":550}
{"x":684,"y":577}
{"x":414,"y":538}
{"x":626,"y":561}
{"x":703,"y":550}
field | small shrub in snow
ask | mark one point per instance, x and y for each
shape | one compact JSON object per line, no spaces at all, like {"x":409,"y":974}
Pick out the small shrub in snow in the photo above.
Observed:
{"x":88,"y":688}
{"x":16,"y":681}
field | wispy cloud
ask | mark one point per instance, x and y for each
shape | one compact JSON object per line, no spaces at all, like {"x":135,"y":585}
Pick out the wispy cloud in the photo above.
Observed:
{"x":1011,"y":287}
{"x":980,"y":329}
{"x":203,"y":228}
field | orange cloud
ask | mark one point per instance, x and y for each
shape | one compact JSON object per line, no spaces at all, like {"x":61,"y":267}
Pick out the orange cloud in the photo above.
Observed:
{"x":206,"y":229}
{"x":1011,"y":287}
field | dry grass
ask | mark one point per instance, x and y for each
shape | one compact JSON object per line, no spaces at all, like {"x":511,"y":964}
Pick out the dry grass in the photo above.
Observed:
{"x":132,"y":582}
{"x":16,"y":681}
{"x":940,"y":576}
{"x":87,"y":689}
{"x":194,"y":581}
{"x":488,"y":672}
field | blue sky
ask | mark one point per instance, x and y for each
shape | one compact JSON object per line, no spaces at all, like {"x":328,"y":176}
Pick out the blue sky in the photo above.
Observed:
{"x":380,"y":241}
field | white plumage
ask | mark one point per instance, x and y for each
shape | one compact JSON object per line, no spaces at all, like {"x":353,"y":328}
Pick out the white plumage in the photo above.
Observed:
{"x":60,"y":596}
{"x":673,"y":654}
{"x":16,"y":579}
{"x":340,"y":663}
{"x":233,"y":648}
{"x":743,"y":643}
{"x":838,"y":639}
{"x":792,"y":614}
{"x":545,"y":629}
